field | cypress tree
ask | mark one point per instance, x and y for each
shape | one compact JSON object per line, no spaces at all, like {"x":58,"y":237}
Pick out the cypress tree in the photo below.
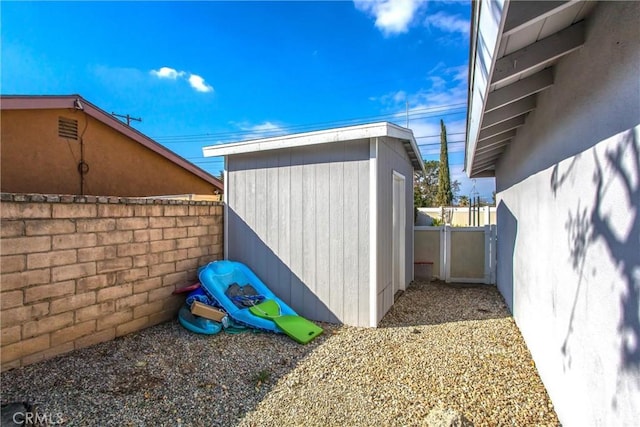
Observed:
{"x":445,"y":195}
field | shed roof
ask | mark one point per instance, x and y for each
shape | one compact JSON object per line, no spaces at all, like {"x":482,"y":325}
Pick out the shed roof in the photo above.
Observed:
{"x":514,"y":46}
{"x":45,"y":102}
{"x":342,"y":134}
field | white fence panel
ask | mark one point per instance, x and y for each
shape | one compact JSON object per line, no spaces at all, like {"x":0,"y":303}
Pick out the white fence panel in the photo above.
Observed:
{"x":464,"y":254}
{"x":428,"y":247}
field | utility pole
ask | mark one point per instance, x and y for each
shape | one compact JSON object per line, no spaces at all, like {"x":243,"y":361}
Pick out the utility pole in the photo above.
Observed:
{"x":407,"y":111}
{"x":128,"y":117}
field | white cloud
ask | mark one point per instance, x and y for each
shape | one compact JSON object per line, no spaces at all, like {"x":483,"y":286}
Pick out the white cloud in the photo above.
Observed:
{"x":392,"y":16}
{"x":167,"y":73}
{"x":396,"y":16}
{"x":460,"y":73}
{"x":249,"y":131}
{"x":195,"y":81}
{"x":264,"y":127}
{"x":198,"y":83}
{"x":448,"y":87}
{"x":400,"y":96}
{"x":447,"y":23}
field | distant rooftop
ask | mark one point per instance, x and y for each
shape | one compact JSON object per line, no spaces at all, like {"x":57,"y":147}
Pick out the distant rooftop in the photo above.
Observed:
{"x":44,"y":102}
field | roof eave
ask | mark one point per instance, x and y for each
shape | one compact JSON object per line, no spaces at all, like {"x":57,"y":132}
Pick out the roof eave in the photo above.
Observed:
{"x":488,"y":27}
{"x":348,"y":133}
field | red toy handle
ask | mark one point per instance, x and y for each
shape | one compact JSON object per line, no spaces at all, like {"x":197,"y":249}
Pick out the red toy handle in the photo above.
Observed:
{"x":187,"y":289}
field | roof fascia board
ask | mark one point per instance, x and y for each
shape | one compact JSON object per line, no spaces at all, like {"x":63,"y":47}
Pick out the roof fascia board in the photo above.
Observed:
{"x":401,"y":133}
{"x":473,"y":36}
{"x":19,"y":102}
{"x":488,"y":36}
{"x":374,"y":130}
{"x":546,"y":50}
{"x":298,"y":140}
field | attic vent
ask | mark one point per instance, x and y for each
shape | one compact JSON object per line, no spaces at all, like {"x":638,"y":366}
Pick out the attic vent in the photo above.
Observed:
{"x":67,"y":128}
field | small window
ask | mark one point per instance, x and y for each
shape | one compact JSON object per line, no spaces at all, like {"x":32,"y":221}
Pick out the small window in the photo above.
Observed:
{"x":67,"y":128}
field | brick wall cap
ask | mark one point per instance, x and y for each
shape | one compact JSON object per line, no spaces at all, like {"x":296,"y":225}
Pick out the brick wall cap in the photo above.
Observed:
{"x":69,"y":198}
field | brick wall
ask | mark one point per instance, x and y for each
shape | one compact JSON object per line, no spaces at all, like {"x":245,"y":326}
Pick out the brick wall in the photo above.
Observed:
{"x":75,"y":271}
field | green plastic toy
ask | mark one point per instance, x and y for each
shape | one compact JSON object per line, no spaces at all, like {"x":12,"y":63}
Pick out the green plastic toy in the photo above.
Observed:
{"x":296,"y":327}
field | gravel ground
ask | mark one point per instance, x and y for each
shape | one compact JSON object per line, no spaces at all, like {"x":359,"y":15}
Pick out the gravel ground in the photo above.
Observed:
{"x":444,"y":355}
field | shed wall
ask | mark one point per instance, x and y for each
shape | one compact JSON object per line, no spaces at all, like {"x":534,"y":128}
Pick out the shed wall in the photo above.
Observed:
{"x":391,"y":156}
{"x":569,"y":221}
{"x":300,"y":219}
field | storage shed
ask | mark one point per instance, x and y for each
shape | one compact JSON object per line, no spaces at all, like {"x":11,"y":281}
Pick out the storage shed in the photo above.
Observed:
{"x":325,"y":218}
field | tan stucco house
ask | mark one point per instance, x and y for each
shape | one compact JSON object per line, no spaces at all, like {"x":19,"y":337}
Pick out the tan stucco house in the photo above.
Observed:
{"x":66,"y":145}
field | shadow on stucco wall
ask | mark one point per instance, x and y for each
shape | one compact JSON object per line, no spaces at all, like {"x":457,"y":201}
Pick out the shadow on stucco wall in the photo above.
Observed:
{"x":506,"y":245}
{"x":587,"y":226}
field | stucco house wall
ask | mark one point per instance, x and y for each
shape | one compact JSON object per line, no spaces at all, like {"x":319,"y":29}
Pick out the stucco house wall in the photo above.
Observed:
{"x":35,"y":159}
{"x":568,"y":191}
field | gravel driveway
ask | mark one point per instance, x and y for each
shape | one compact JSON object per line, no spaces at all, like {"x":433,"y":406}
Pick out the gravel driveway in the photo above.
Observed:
{"x":443,"y":353}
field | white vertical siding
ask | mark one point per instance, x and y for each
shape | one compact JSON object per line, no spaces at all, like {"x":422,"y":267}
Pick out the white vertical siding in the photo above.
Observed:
{"x":307,"y":306}
{"x":261,"y":211}
{"x":364,"y":251}
{"x":351,"y":283}
{"x":270,"y":269}
{"x":307,"y":236}
{"x":336,"y":235}
{"x":323,"y":253}
{"x":296,"y":230}
{"x":284,"y":224}
{"x":392,"y":157}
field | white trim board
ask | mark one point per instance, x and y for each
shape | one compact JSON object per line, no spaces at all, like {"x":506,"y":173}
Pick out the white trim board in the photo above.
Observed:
{"x":225,"y":183}
{"x":397,"y":176}
{"x":373,"y":232}
{"x":350,"y":133}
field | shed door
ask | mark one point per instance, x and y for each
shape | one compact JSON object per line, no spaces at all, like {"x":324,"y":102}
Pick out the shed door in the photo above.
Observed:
{"x":398,"y":233}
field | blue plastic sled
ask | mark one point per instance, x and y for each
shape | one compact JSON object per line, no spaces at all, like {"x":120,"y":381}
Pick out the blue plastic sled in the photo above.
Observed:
{"x":217,"y":276}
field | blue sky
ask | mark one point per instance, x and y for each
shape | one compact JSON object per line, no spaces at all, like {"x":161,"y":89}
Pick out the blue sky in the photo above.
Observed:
{"x":204,"y":73}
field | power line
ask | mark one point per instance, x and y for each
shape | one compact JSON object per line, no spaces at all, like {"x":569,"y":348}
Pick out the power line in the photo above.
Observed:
{"x":399,"y":114}
{"x":415,"y":114}
{"x":438,"y":143}
{"x":433,"y":136}
{"x":127,"y":117}
{"x":240,"y":136}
